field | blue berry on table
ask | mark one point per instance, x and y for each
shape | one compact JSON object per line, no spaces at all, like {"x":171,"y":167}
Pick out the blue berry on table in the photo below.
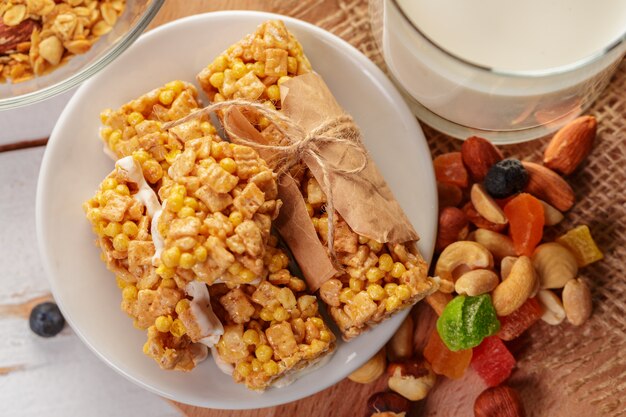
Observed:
{"x":46,"y":319}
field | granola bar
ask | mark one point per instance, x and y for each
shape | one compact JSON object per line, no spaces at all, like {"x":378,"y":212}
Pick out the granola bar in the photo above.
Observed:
{"x":121,"y":214}
{"x":272,"y":330}
{"x":379,"y":279}
{"x":136,"y":127}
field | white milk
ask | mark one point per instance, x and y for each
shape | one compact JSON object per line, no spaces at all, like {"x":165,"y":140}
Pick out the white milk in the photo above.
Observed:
{"x":534,"y":37}
{"x":519,"y":35}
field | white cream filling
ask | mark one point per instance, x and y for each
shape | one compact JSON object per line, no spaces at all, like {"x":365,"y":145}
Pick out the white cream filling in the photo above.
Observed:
{"x":206,"y":319}
{"x":146,"y":196}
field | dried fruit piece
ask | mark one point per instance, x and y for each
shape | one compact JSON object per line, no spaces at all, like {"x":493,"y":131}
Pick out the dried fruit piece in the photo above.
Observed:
{"x":492,"y":361}
{"x":516,"y":323}
{"x":479,"y":221}
{"x":479,"y":155}
{"x":581,"y":244}
{"x":12,"y":36}
{"x":499,"y":401}
{"x":526,"y":220}
{"x":547,"y":185}
{"x":444,"y":361}
{"x":571,"y":145}
{"x":453,"y":226}
{"x":449,"y":169}
{"x":506,"y":178}
{"x":466,"y":321}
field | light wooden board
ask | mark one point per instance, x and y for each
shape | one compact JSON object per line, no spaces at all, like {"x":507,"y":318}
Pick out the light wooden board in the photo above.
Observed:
{"x":60,"y":376}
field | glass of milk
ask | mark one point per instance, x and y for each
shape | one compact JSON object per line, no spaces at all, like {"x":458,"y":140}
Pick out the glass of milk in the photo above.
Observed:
{"x":507,"y":70}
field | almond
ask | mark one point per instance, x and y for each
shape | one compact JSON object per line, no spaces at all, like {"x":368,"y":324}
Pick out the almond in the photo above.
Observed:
{"x":551,"y":215}
{"x":453,"y":226}
{"x":12,"y":36}
{"x":547,"y":185}
{"x":478,"y":156}
{"x":571,"y":145}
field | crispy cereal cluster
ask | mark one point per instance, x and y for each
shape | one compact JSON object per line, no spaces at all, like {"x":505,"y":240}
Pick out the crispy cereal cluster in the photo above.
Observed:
{"x":254,"y":67}
{"x":43,"y":34}
{"x":122,"y":224}
{"x":219,"y":202}
{"x":271,"y":329}
{"x":135,"y":128}
{"x":379,"y":279}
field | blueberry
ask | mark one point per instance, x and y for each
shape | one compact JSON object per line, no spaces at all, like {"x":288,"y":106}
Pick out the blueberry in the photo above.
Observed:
{"x":46,"y":319}
{"x":506,"y":178}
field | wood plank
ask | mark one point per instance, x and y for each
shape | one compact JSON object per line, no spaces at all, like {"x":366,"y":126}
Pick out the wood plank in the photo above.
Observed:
{"x":56,"y":377}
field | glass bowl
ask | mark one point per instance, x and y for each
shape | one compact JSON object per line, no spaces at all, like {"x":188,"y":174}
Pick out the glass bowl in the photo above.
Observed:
{"x":136,"y":16}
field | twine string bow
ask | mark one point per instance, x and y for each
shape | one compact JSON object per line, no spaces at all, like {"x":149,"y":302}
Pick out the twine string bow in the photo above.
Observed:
{"x":300,"y":144}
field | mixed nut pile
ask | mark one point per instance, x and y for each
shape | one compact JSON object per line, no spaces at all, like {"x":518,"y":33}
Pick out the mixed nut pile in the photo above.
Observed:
{"x":499,"y":276}
{"x":37,"y":36}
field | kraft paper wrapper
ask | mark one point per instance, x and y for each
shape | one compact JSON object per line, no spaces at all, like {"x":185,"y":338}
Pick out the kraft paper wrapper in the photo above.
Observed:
{"x":363,"y":199}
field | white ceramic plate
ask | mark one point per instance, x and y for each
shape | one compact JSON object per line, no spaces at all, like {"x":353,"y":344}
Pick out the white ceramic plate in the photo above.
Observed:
{"x":74,"y":165}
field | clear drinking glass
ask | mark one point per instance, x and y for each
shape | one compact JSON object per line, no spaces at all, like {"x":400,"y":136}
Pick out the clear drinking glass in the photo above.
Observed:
{"x":135,"y":18}
{"x":462,"y":99}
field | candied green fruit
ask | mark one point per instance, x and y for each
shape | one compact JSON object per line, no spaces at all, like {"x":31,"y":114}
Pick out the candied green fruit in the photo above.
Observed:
{"x":466,"y":321}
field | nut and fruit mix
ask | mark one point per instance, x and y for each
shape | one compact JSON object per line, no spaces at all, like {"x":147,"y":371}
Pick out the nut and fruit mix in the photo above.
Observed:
{"x":37,"y":36}
{"x":499,"y":275}
{"x":184,"y":211}
{"x":378,"y":279}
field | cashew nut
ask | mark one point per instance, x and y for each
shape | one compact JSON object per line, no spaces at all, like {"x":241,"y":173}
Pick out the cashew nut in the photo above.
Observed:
{"x":461,"y":257}
{"x":553,"y":311}
{"x":555,"y":265}
{"x":476,"y":282}
{"x":511,"y":293}
{"x":486,"y":206}
{"x":498,"y":244}
{"x":577,"y":301}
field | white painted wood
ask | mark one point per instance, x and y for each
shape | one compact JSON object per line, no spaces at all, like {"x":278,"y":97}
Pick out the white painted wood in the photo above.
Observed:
{"x":34,"y":121}
{"x":60,"y":376}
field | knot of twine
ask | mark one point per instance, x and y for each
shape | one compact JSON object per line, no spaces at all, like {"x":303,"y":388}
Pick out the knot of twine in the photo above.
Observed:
{"x":339,"y":130}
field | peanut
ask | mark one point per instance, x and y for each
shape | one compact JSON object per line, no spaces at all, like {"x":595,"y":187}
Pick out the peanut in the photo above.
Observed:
{"x":477,"y":282}
{"x":577,"y":301}
{"x":554,"y":313}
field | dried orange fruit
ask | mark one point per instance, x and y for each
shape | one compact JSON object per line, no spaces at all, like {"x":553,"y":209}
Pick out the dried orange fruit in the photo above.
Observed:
{"x":443,"y":360}
{"x":449,"y":169}
{"x":526,"y":221}
{"x":581,"y":244}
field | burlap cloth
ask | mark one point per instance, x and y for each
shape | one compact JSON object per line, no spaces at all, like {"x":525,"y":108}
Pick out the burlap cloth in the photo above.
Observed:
{"x":562,"y":370}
